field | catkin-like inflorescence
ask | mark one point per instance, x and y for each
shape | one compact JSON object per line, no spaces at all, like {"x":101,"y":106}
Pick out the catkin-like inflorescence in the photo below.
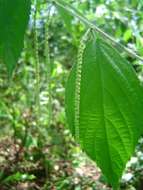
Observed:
{"x":37,"y":68}
{"x":48,"y":73}
{"x":78,"y":77}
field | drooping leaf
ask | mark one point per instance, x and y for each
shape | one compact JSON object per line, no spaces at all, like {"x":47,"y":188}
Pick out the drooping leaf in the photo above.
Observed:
{"x":111,"y":108}
{"x":14,"y":17}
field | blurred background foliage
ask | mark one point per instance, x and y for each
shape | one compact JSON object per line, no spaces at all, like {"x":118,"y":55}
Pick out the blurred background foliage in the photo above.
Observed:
{"x":42,"y":156}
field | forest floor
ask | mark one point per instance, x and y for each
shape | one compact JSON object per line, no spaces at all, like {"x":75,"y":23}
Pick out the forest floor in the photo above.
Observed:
{"x":17,"y":173}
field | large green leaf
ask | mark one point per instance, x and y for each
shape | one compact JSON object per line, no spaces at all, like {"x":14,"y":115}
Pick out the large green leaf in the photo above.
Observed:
{"x":14,"y":16}
{"x":111,"y":108}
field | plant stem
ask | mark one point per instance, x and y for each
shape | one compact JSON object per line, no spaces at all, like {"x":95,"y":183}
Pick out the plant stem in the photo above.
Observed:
{"x":89,"y":24}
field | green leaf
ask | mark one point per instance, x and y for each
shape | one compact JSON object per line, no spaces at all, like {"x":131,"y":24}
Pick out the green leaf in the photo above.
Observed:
{"x":14,"y":16}
{"x":111,"y":108}
{"x":16,"y":177}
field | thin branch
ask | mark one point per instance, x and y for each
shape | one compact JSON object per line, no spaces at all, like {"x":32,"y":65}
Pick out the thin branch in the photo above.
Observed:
{"x":88,"y":23}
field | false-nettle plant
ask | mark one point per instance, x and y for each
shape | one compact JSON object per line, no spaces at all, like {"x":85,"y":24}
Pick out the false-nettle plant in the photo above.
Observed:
{"x":104,"y":98}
